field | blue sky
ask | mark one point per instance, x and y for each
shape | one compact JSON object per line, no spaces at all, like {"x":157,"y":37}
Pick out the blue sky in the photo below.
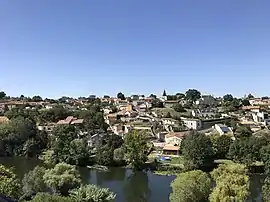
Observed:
{"x":78,"y":48}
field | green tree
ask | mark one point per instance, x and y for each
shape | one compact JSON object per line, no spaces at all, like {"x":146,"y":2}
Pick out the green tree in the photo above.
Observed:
{"x":192,"y":186}
{"x":121,"y":96}
{"x":45,"y":197}
{"x":250,"y":96}
{"x":180,"y":95}
{"x":104,"y":155}
{"x":245,"y":102}
{"x":197,"y":150}
{"x":227,"y":98}
{"x":193,"y":95}
{"x":79,"y":154}
{"x":62,"y":178}
{"x":246,"y":150}
{"x":242,"y":132}
{"x":136,"y":149}
{"x":48,"y":157}
{"x":153,"y":96}
{"x":37,"y":98}
{"x":92,"y":193}
{"x":266,"y":189}
{"x":33,"y":181}
{"x":223,"y":145}
{"x":178,"y":108}
{"x":2,"y":94}
{"x":9,"y":184}
{"x":232,"y":183}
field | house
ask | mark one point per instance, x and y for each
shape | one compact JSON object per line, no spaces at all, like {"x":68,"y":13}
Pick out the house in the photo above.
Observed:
{"x":48,"y":127}
{"x":170,"y":149}
{"x":261,"y":117}
{"x":96,"y":140}
{"x":121,"y":129}
{"x":161,"y":136}
{"x":134,"y":97}
{"x":175,"y":138}
{"x":206,"y":100}
{"x":194,"y":124}
{"x":169,"y":121}
{"x":70,"y":120}
{"x":223,"y":129}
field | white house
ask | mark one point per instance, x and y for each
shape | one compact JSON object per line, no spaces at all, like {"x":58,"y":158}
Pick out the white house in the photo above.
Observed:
{"x":169,"y":121}
{"x":194,"y":124}
{"x":175,"y":138}
{"x":205,"y":113}
{"x":261,"y":117}
{"x":223,"y":129}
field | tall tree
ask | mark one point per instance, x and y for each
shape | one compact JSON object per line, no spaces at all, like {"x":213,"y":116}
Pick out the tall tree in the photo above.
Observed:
{"x":37,"y":98}
{"x":232,"y":183}
{"x":121,"y":96}
{"x":227,"y":98}
{"x":193,"y":95}
{"x":136,"y":149}
{"x":223,"y":144}
{"x":62,"y":178}
{"x":197,"y":150}
{"x":245,"y":102}
{"x":2,"y":94}
{"x":191,"y":186}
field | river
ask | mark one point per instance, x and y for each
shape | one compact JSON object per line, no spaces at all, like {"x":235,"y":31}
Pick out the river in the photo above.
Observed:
{"x":129,"y":187}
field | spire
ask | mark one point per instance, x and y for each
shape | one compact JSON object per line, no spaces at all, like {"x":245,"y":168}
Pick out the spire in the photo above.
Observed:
{"x":164,"y":93}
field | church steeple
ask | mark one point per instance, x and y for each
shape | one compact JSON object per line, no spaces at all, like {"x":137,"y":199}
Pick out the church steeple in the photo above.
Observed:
{"x":164,"y":93}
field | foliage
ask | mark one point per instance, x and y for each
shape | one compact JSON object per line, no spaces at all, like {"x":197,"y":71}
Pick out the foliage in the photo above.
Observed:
{"x":191,"y":186}
{"x":21,"y":137}
{"x":242,"y":132}
{"x":9,"y":184}
{"x":36,"y":98}
{"x":33,"y":181}
{"x":119,"y":154}
{"x":197,"y":150}
{"x":246,"y":150}
{"x":227,"y":98}
{"x":92,"y":193}
{"x":153,"y":96}
{"x":121,"y":96}
{"x":157,"y":103}
{"x":2,"y":94}
{"x":178,"y":108}
{"x":104,"y":155}
{"x":232,"y":183}
{"x":114,"y":141}
{"x":265,"y":157}
{"x":62,"y":178}
{"x":245,"y":102}
{"x":136,"y":149}
{"x":45,"y":197}
{"x":54,"y":114}
{"x":78,"y":151}
{"x":223,"y":144}
{"x":266,"y":190}
{"x":48,"y":158}
{"x":193,"y":95}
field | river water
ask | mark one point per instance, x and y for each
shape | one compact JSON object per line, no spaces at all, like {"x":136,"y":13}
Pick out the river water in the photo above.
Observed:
{"x":129,"y":187}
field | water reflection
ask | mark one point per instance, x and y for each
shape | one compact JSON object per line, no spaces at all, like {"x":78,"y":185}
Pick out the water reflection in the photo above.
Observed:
{"x":136,"y":187}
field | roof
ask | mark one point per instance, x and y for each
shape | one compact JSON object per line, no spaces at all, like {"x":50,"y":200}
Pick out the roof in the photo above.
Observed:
{"x":70,"y":120}
{"x":180,"y":135}
{"x":77,"y":121}
{"x":171,"y":147}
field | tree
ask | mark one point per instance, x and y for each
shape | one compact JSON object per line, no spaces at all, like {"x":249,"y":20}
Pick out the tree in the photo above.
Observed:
{"x":136,"y":149}
{"x":232,"y":183}
{"x":2,"y":94}
{"x":104,"y":155}
{"x":48,"y":157}
{"x":153,"y":96}
{"x":106,"y":96}
{"x":157,"y":103}
{"x":164,"y":93}
{"x":178,"y":108}
{"x":119,"y":156}
{"x":45,"y":197}
{"x":9,"y":184}
{"x":191,"y":186}
{"x":193,"y":95}
{"x":246,"y":150}
{"x":78,"y":151}
{"x":92,"y":193}
{"x":36,"y":98}
{"x":242,"y":132}
{"x":180,"y":95}
{"x":62,"y":178}
{"x":250,"y":96}
{"x":227,"y":98}
{"x":121,"y":96}
{"x":197,"y":150}
{"x":33,"y":181}
{"x":245,"y":102}
{"x":223,"y":144}
{"x":266,"y":190}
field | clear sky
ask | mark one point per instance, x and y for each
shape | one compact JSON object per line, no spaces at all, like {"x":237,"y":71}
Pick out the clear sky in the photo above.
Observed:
{"x":82,"y":47}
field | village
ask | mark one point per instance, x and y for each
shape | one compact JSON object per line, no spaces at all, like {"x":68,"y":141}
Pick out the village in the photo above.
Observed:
{"x":165,"y":119}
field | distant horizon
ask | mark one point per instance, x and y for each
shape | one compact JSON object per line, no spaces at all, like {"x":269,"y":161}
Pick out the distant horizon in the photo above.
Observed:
{"x":78,"y":48}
